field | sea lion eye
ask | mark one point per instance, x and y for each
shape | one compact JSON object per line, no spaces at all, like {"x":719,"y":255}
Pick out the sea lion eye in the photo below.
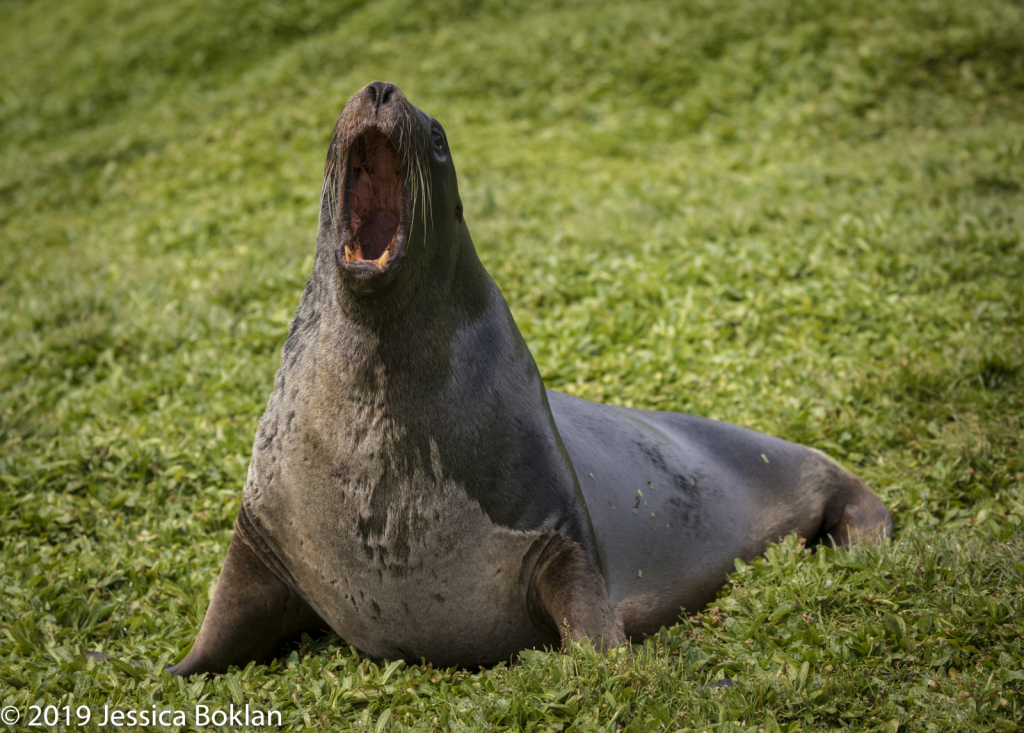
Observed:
{"x":438,"y":141}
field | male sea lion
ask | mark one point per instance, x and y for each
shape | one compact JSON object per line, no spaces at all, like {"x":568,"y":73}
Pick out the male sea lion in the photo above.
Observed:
{"x":415,"y":487}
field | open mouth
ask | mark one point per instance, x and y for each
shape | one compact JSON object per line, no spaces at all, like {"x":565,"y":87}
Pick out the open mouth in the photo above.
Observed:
{"x":375,"y":206}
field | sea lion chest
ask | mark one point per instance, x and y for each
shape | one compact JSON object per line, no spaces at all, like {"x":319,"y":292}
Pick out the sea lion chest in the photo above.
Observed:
{"x":392,"y":552}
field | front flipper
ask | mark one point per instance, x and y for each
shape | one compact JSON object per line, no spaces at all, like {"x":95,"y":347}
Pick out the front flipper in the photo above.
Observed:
{"x":251,"y":612}
{"x":569,"y":592}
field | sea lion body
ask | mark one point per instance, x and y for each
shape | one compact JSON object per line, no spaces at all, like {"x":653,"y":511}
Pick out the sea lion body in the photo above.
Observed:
{"x":674,"y":499}
{"x":415,"y":487}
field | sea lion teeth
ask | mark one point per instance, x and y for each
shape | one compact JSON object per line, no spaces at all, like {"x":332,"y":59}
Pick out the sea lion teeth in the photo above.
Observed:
{"x":414,"y":486}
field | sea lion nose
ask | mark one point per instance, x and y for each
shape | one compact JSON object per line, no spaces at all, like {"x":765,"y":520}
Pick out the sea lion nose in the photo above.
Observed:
{"x":379,"y":93}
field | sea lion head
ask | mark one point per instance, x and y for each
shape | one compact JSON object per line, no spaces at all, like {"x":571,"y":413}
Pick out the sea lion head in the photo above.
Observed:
{"x":390,"y":206}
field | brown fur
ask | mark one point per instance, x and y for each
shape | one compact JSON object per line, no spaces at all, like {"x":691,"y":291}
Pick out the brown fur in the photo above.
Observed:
{"x":414,"y":486}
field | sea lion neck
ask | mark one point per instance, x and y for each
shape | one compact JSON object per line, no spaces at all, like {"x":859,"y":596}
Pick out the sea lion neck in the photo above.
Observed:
{"x":406,"y":330}
{"x":430,"y":280}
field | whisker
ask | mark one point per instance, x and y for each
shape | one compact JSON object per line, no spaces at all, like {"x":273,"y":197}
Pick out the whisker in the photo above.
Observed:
{"x":328,"y":187}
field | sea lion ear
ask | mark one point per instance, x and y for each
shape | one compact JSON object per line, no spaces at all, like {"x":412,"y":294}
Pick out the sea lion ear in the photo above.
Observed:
{"x":458,"y":211}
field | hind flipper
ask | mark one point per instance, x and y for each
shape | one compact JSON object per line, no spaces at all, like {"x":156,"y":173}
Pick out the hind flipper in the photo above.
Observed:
{"x":853,"y":512}
{"x":252,"y":610}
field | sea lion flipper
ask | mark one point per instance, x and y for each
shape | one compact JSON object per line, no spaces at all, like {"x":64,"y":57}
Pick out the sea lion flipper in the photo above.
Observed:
{"x":853,"y":512}
{"x":569,"y":591}
{"x":251,"y":611}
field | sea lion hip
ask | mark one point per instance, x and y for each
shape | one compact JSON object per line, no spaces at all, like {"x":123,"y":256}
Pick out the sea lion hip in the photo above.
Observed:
{"x":674,"y":500}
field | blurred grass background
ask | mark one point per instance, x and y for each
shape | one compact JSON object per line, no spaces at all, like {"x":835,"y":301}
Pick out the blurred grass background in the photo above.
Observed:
{"x":802,"y":217}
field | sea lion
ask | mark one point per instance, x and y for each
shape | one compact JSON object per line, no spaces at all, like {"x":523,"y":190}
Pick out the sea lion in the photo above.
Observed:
{"x":415,"y":487}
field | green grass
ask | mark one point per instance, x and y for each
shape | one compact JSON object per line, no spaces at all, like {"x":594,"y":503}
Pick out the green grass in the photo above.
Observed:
{"x":802,"y":217}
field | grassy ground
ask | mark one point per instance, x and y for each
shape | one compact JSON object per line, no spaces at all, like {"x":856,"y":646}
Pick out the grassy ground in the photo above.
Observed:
{"x":802,"y":217}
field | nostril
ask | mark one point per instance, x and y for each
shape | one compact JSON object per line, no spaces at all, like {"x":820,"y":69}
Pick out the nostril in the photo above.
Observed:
{"x":379,"y":93}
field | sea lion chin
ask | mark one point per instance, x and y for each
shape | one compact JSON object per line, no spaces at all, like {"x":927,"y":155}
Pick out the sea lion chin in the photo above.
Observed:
{"x":415,"y":487}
